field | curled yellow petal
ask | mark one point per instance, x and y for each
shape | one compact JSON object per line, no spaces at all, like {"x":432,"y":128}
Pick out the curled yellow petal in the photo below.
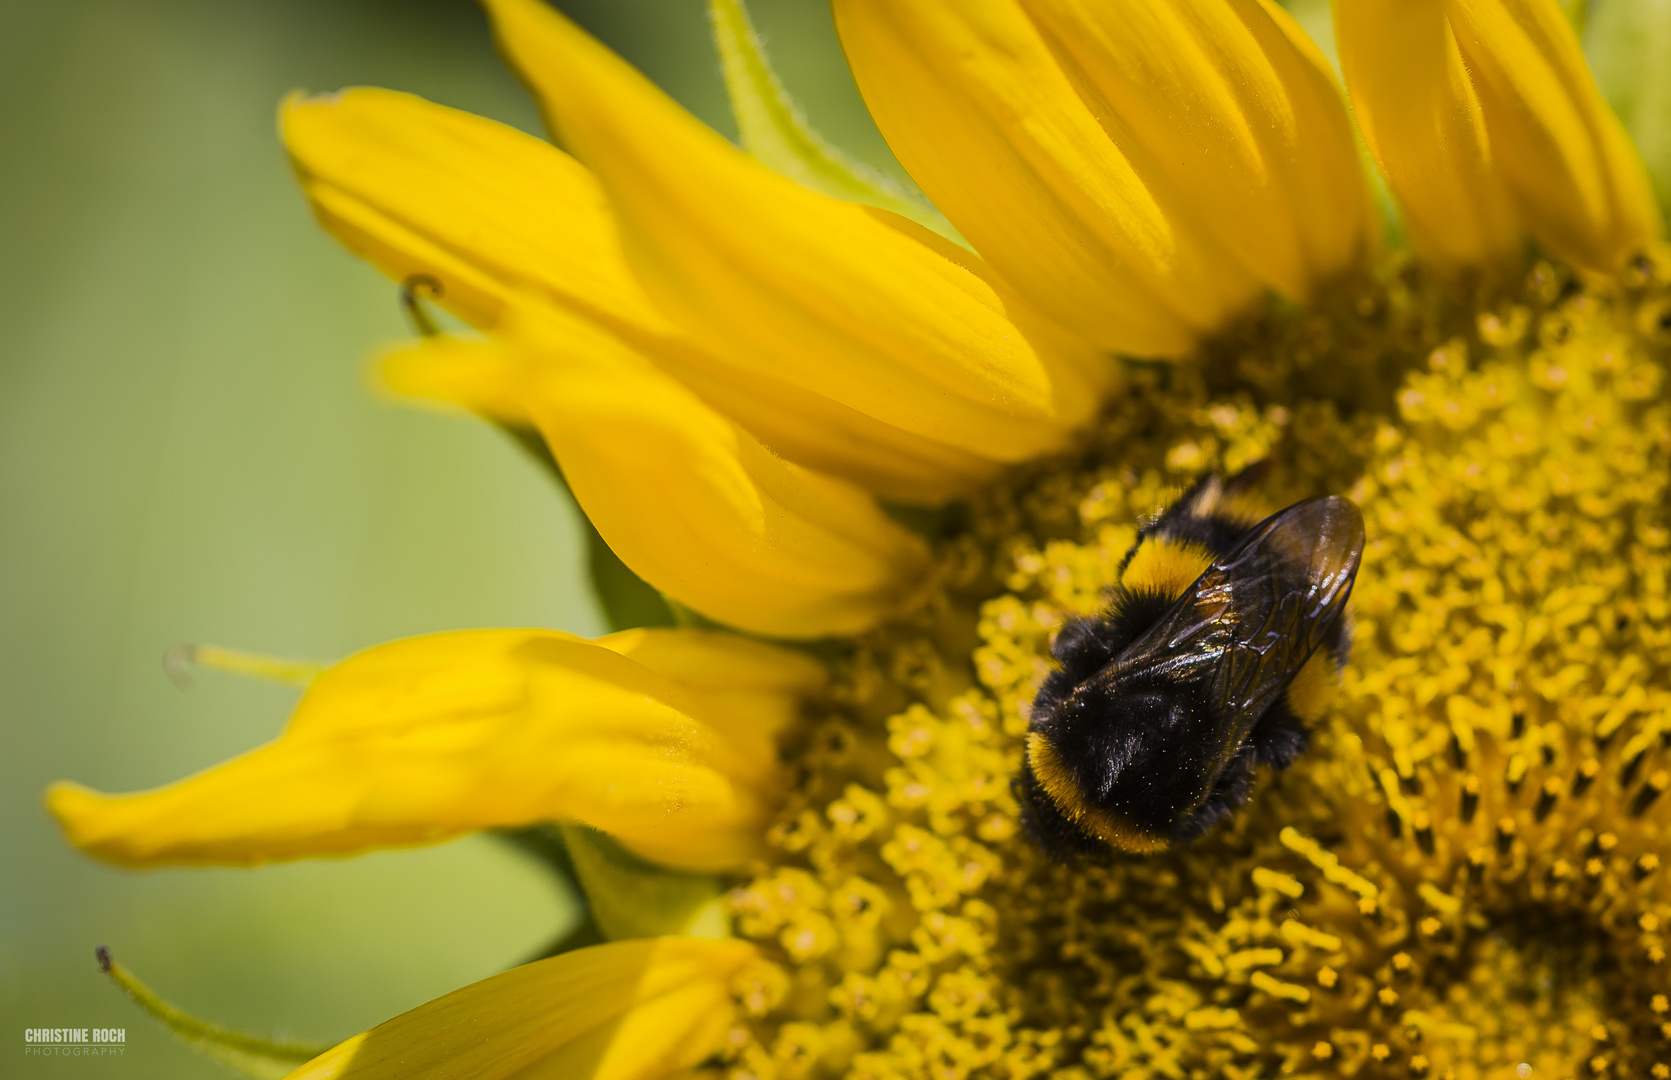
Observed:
{"x":1488,"y":125}
{"x":783,"y":282}
{"x":500,"y":218}
{"x":423,"y":739}
{"x":629,"y":1010}
{"x":982,"y":114}
{"x":690,"y":502}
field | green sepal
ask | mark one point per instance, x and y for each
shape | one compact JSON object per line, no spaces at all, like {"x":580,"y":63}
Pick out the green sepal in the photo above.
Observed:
{"x":545,"y":844}
{"x":632,"y":898}
{"x":776,"y":133}
{"x":627,"y":599}
{"x":1628,"y":44}
{"x":626,"y":897}
{"x":251,"y":1055}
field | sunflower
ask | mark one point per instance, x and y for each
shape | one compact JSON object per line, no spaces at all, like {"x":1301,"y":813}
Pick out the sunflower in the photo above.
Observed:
{"x":875,"y":449}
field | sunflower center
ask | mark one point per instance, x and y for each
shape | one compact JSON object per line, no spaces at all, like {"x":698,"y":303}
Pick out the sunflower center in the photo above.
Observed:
{"x":1459,"y":878}
{"x":1539,"y":985}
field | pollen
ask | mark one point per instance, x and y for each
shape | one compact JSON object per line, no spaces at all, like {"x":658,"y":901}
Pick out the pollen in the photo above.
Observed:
{"x":1457,"y":879}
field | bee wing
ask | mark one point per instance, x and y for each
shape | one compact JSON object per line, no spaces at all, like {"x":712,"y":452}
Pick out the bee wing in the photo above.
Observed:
{"x":1254,"y":617}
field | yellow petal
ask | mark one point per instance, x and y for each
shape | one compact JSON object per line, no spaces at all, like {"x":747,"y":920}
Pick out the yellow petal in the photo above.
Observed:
{"x":982,"y":115}
{"x":489,"y":211}
{"x":753,"y":690}
{"x":423,"y":739}
{"x":690,"y":502}
{"x":823,"y":434}
{"x":629,"y":1010}
{"x":779,"y":280}
{"x":806,"y":428}
{"x":1487,"y":123}
{"x":486,"y":378}
{"x":500,"y":218}
{"x":1239,"y":116}
{"x":1421,"y":118}
{"x":1576,"y":179}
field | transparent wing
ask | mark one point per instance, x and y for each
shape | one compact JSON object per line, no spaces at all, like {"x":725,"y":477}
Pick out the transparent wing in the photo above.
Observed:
{"x":1254,"y":617}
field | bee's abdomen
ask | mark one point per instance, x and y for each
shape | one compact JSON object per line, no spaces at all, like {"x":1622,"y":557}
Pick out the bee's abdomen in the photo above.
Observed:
{"x":1049,"y":825}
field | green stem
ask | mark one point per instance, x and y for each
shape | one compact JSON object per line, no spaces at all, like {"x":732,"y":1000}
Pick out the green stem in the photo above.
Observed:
{"x":249,"y":1054}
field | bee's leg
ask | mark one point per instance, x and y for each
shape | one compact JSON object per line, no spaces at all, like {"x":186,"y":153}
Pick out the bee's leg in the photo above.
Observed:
{"x":1279,"y":737}
{"x":1083,"y":648}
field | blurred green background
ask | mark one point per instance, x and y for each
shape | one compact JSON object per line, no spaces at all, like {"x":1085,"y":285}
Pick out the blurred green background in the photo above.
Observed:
{"x":189,"y":452}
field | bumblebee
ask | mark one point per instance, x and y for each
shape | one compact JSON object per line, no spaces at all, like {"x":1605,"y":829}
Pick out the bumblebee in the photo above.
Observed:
{"x":1223,"y":638}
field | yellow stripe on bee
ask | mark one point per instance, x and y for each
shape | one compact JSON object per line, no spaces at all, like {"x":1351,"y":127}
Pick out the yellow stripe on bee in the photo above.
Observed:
{"x":1165,"y":566}
{"x":1059,"y":786}
{"x":1314,"y":687}
{"x":1245,"y":508}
